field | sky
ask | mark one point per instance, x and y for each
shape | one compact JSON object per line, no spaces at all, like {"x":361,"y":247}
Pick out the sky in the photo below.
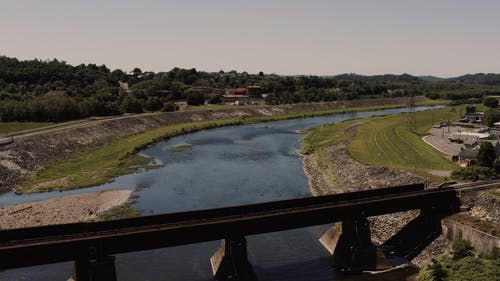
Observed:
{"x":421,"y":37}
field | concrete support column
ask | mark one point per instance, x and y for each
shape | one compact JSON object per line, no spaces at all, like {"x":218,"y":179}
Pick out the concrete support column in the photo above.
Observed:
{"x":349,"y":242}
{"x":102,"y":269}
{"x":416,"y":235}
{"x":230,"y":261}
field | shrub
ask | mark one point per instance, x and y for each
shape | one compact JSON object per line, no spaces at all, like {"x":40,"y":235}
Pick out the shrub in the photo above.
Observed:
{"x":168,"y":106}
{"x":472,"y":173}
{"x":461,"y":249}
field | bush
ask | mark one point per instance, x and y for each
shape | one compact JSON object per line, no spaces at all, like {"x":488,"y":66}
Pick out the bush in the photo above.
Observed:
{"x":491,"y":102}
{"x":195,"y":99}
{"x":215,"y":99}
{"x":131,"y":105}
{"x":168,"y":107}
{"x":472,"y":173}
{"x":461,"y":249}
{"x":490,"y":117}
{"x":496,"y":165}
{"x":486,"y":155}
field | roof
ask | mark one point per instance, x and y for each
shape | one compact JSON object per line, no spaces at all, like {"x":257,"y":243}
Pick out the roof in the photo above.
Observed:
{"x":470,"y":134}
{"x":253,"y":87}
{"x":235,"y":96}
{"x":468,"y":154}
{"x":240,"y":90}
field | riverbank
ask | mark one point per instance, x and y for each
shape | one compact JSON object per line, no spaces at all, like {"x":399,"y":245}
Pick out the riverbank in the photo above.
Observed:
{"x":52,"y":161}
{"x":65,"y":209}
{"x":330,"y":169}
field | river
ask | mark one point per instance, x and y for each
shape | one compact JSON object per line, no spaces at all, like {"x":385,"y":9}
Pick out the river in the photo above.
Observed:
{"x":225,"y":166}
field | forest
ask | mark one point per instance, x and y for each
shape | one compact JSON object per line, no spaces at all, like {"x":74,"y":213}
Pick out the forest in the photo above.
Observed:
{"x":53,"y":90}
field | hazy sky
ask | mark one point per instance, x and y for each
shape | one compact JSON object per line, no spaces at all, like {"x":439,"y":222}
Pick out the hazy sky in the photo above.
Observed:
{"x":435,"y":37}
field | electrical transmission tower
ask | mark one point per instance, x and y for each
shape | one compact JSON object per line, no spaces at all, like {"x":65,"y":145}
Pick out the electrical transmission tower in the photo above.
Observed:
{"x":411,"y":116}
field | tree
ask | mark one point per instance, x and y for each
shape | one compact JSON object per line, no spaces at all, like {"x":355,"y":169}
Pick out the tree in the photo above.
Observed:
{"x":168,"y":106}
{"x":496,"y":165}
{"x":131,"y":105}
{"x":491,"y":102}
{"x":136,"y":71}
{"x":194,"y":97}
{"x":486,"y":155}
{"x":490,"y":117}
{"x":438,"y":273}
{"x":153,"y":104}
{"x":216,"y":99}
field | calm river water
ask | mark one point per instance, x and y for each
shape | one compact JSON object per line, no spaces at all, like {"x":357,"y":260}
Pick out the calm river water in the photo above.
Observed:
{"x":226,"y":166}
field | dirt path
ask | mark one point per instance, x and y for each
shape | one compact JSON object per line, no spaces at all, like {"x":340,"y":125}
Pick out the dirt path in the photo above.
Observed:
{"x":65,"y":209}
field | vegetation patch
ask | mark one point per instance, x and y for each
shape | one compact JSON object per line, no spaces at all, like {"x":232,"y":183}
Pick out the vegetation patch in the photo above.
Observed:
{"x":482,"y":225}
{"x":12,"y":127}
{"x":495,"y":193}
{"x":180,"y":148}
{"x":121,"y":212}
{"x":389,"y":141}
{"x":461,"y":264}
{"x":328,"y":135}
{"x":386,"y":141}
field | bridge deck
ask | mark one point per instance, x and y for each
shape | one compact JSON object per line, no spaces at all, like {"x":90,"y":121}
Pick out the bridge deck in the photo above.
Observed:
{"x":49,"y":244}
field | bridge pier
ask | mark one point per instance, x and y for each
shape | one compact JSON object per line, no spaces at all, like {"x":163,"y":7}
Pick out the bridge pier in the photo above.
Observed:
{"x":101,"y":269}
{"x":349,"y":242}
{"x":416,"y":235}
{"x":230,"y":261}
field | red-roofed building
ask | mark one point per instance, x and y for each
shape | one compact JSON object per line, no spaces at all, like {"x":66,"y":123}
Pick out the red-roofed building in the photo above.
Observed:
{"x":241,"y":91}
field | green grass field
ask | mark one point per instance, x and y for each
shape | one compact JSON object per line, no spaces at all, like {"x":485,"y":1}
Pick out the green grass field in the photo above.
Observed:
{"x":11,"y":127}
{"x":327,"y":135}
{"x":387,"y":141}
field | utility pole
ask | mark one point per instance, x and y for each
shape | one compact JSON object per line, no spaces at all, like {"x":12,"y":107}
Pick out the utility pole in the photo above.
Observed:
{"x":411,"y":117}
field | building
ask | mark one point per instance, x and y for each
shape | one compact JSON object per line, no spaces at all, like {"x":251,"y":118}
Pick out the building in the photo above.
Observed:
{"x":468,"y":137}
{"x":475,"y":117}
{"x":233,"y":98}
{"x":468,"y":154}
{"x":467,"y":157}
{"x":254,"y":91}
{"x":241,"y":91}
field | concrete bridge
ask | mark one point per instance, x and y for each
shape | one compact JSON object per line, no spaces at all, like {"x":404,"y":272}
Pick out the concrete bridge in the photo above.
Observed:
{"x":92,"y":245}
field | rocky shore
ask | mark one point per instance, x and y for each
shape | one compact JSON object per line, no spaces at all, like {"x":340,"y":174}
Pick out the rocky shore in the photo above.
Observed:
{"x":334,"y":171}
{"x":65,"y":209}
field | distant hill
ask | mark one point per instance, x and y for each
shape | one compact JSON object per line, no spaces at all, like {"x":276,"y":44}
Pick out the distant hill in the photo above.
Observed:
{"x":430,"y":78}
{"x":477,"y":79}
{"x":393,"y":78}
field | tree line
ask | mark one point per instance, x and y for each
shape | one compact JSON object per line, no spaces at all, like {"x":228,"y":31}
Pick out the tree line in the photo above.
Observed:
{"x":52,"y":90}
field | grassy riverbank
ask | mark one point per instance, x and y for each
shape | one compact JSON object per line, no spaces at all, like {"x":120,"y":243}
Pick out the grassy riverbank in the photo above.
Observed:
{"x":103,"y":164}
{"x":12,"y":127}
{"x":387,"y":141}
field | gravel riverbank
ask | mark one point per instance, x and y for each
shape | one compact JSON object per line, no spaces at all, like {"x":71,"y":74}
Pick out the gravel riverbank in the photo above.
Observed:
{"x":65,"y":209}
{"x":333,"y":171}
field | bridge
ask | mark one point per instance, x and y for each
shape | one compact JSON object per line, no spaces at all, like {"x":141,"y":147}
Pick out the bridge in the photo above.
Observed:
{"x":91,"y":245}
